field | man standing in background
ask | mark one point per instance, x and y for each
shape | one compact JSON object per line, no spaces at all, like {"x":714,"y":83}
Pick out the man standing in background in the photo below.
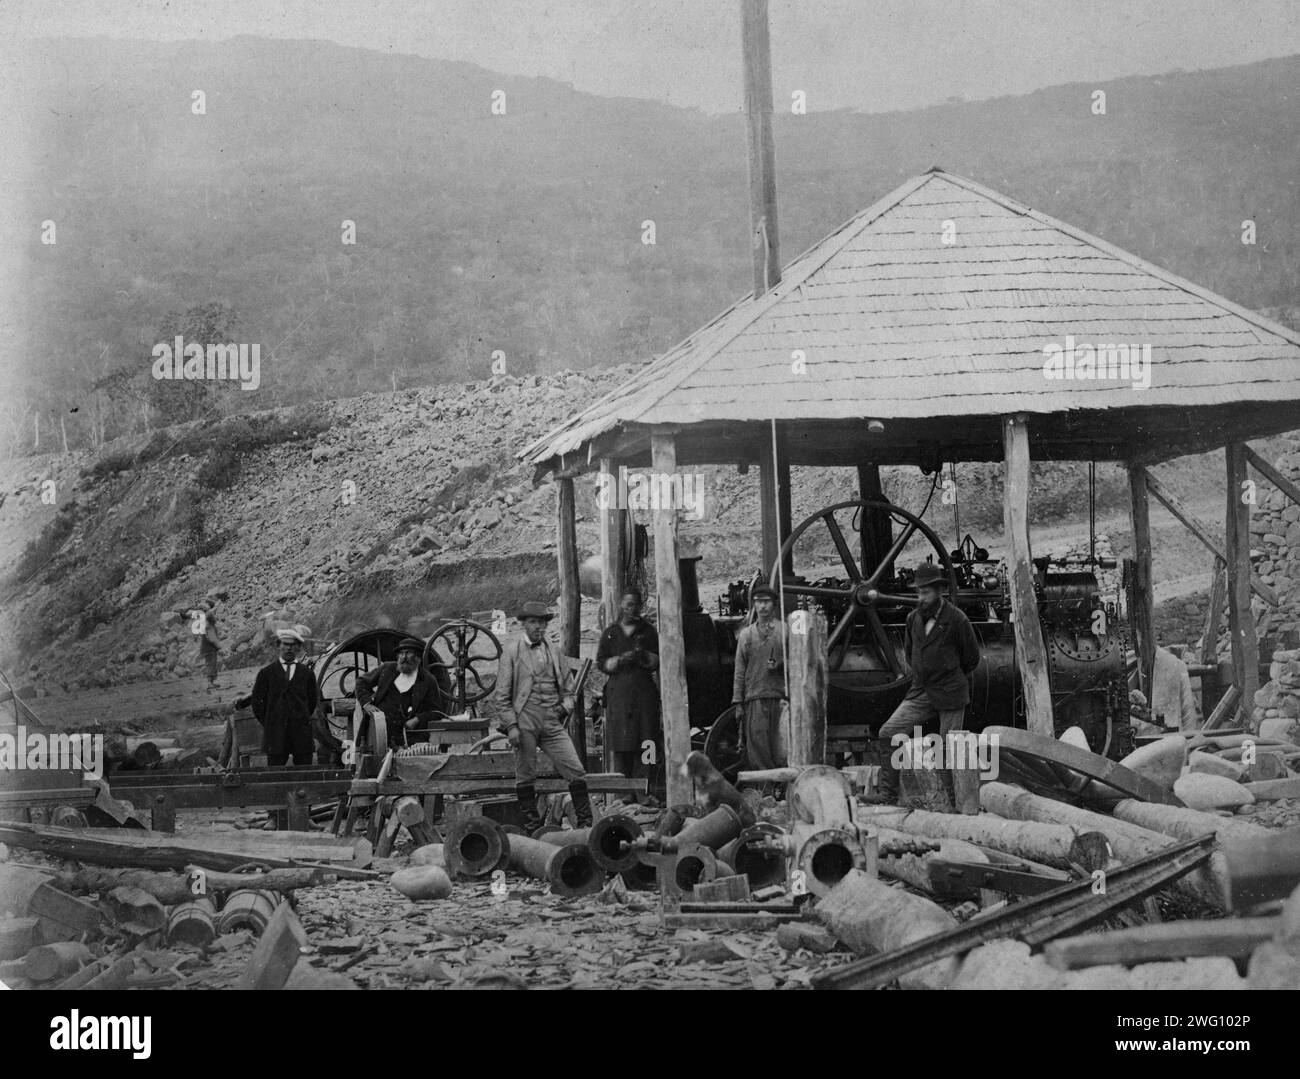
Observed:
{"x":759,"y":682}
{"x":284,"y":700}
{"x":628,"y":654}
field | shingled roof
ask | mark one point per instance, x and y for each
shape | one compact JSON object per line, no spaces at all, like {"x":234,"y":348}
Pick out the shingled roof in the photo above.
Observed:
{"x":885,"y":320}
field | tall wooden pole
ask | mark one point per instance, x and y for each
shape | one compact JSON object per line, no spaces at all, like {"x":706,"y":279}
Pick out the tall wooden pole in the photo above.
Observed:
{"x":1143,"y":614}
{"x":806,"y":634}
{"x":570,"y":597}
{"x":1241,"y":621}
{"x":774,"y":500}
{"x":672,"y":648}
{"x":611,"y":544}
{"x":762,"y":149}
{"x":1031,"y":653}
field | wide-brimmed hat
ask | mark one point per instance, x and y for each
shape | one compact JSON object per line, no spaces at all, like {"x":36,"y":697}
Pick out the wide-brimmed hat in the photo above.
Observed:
{"x":412,"y":644}
{"x":927,"y":573}
{"x":534,"y":610}
{"x":764,"y":590}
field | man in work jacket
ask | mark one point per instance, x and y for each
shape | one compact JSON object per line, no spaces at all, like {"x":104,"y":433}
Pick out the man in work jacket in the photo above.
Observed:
{"x":942,"y":653}
{"x":533,"y":704}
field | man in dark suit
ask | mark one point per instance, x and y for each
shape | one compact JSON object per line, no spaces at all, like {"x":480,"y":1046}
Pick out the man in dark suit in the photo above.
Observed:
{"x":404,"y":695}
{"x":284,"y":699}
{"x":942,"y":653}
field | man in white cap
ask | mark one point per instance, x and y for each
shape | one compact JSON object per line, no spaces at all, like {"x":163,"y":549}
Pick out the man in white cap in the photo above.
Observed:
{"x":284,"y":699}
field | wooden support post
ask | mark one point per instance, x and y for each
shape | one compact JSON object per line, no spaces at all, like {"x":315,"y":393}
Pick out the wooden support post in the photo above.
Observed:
{"x":877,"y":530}
{"x":1265,"y":469}
{"x":1143,"y":613}
{"x":1241,"y":620}
{"x":163,"y":817}
{"x":1031,"y":653}
{"x":808,"y":687}
{"x":774,"y":501}
{"x":570,"y":598}
{"x":612,"y":530}
{"x":757,"y":54}
{"x":1210,"y":638}
{"x":1202,"y":533}
{"x":672,"y":649}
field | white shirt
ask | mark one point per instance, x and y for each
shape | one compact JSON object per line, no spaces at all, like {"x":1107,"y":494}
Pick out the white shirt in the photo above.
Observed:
{"x":403,"y":682}
{"x":288,"y":669}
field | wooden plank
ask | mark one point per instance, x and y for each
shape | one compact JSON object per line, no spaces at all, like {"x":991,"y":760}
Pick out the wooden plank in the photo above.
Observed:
{"x":1143,"y":612}
{"x":1266,"y":469}
{"x":1241,"y":621}
{"x":1171,"y":503}
{"x":1210,"y":636}
{"x":1235,"y":938}
{"x":807,"y":664}
{"x":1224,"y":710}
{"x":276,"y":953}
{"x":672,"y":651}
{"x":1270,"y":790}
{"x":1031,"y":653}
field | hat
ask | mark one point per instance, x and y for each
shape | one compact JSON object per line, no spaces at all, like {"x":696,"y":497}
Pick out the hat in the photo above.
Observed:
{"x":289,"y":636}
{"x":927,"y":573}
{"x":764,"y":590}
{"x":534,"y":610}
{"x":413,"y":644}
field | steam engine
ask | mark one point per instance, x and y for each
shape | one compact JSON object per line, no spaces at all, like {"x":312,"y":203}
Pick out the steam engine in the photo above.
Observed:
{"x":1085,"y":651}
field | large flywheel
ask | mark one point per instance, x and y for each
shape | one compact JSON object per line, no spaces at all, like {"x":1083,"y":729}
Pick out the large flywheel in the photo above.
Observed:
{"x":865,"y":593}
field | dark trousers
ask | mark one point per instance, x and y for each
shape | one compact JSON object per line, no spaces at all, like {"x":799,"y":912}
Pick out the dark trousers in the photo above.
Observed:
{"x":279,"y":760}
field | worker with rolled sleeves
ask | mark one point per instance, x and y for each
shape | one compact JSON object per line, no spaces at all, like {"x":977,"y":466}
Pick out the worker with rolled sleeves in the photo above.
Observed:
{"x":532,"y":707}
{"x":942,"y":653}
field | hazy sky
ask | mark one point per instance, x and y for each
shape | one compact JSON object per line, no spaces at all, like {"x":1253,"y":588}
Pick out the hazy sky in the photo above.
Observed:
{"x":865,"y":54}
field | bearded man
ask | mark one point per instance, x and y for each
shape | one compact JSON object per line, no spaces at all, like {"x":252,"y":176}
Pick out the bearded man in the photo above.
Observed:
{"x":406,"y":696}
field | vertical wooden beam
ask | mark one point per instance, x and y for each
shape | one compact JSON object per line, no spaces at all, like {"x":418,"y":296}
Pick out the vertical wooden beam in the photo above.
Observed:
{"x":672,"y":647}
{"x":611,"y":543}
{"x":878,"y":531}
{"x":757,"y":50}
{"x":774,"y":501}
{"x":1218,"y":589}
{"x":807,"y":664}
{"x":570,"y":596}
{"x":1241,"y":620}
{"x":1143,"y":613}
{"x":1031,"y":653}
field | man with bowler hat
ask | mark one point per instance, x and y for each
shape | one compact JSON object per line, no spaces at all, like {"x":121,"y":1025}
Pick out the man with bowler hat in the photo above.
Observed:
{"x":405,"y":695}
{"x":942,"y":653}
{"x":533,"y":704}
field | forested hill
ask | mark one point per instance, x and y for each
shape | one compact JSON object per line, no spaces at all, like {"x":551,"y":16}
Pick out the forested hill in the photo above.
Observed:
{"x":523,"y":232}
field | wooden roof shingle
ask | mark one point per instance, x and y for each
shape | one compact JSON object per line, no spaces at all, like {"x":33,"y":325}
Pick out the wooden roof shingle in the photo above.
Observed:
{"x":891,"y":322}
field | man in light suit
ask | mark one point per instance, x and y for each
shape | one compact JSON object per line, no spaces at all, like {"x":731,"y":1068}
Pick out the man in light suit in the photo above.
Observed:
{"x":283,"y":699}
{"x":533,"y":704}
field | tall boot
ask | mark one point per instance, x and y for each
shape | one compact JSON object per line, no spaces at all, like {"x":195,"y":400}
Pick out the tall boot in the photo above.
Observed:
{"x":887,"y":782}
{"x":581,"y":802}
{"x":526,"y":795}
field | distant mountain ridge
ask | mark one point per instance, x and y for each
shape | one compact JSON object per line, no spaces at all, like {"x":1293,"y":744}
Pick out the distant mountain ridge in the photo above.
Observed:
{"x":523,"y":233}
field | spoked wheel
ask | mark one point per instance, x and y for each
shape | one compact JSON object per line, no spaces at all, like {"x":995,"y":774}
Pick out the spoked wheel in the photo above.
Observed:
{"x":722,"y":743}
{"x":863,"y":595}
{"x":464,"y":650}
